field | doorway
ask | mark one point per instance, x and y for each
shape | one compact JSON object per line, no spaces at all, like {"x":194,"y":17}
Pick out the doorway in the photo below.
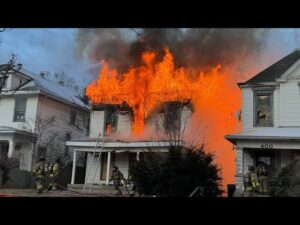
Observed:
{"x":103,"y":168}
{"x":271,"y":159}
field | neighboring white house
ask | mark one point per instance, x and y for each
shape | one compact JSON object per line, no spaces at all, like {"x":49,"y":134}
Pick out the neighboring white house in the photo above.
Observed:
{"x":37,"y":116}
{"x":271,"y":118}
{"x":118,"y":146}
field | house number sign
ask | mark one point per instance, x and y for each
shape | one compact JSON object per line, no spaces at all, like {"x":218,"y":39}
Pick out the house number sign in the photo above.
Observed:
{"x":267,"y":146}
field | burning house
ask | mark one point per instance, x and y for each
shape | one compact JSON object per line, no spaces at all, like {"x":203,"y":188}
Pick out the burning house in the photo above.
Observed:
{"x":146,"y":109}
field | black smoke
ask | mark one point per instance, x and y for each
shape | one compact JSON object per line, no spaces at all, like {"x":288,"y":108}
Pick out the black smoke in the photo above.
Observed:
{"x":193,"y":48}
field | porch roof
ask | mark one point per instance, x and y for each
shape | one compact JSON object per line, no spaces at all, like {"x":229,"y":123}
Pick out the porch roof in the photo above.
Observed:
{"x":11,"y":130}
{"x":266,"y":133}
{"x":111,"y":143}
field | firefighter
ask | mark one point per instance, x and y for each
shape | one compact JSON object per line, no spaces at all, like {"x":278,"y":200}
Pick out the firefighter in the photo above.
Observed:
{"x":262,"y":175}
{"x":250,"y":181}
{"x":39,"y":173}
{"x":54,"y":170}
{"x":117,"y":177}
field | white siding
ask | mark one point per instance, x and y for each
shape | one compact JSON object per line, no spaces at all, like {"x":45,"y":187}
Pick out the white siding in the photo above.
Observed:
{"x":91,"y":168}
{"x":276,"y":109}
{"x":185,"y":118}
{"x":124,"y":124}
{"x":247,"y":161}
{"x":239,"y":168}
{"x":96,"y":123}
{"x":122,"y":161}
{"x":247,"y":110}
{"x":7,"y":106}
{"x":290,"y":103}
{"x":26,"y":156}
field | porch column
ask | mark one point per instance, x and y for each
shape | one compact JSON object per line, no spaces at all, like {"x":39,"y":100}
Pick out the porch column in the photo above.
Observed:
{"x":137,"y":156}
{"x":239,"y":168}
{"x":74,"y":167}
{"x":108,"y":167}
{"x":11,"y":148}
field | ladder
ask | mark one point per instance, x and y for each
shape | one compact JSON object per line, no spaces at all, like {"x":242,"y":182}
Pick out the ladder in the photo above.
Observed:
{"x":91,"y":164}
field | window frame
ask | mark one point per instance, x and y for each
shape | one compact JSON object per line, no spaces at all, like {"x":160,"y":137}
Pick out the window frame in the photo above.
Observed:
{"x":263,"y":91}
{"x":15,"y":111}
{"x":73,"y":112}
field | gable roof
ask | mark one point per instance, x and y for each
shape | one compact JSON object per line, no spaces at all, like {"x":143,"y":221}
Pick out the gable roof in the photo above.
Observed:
{"x":276,"y":70}
{"x":49,"y":87}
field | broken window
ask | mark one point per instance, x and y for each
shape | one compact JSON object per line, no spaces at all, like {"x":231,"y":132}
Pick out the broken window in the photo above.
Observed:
{"x":263,"y":111}
{"x":172,"y":116}
{"x":20,"y":109}
{"x":111,"y":119}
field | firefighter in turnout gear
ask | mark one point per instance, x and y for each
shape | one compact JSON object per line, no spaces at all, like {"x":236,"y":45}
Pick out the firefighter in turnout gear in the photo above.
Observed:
{"x":262,"y":175}
{"x":39,"y":173}
{"x":250,"y":182}
{"x":54,"y":170}
{"x":117,"y":177}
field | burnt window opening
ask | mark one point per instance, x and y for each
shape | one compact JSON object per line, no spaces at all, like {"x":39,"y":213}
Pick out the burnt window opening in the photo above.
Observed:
{"x":172,"y":116}
{"x":111,"y":119}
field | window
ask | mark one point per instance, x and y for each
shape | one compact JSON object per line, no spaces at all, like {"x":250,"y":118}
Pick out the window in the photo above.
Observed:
{"x":72,"y":117}
{"x":68,"y":138}
{"x":263,"y":109}
{"x":111,"y":119}
{"x":172,"y":114}
{"x":20,"y":109}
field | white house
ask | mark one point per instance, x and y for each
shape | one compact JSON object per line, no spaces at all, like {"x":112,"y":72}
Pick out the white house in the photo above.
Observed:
{"x":37,"y":116}
{"x":271,"y":118}
{"x":117,"y":146}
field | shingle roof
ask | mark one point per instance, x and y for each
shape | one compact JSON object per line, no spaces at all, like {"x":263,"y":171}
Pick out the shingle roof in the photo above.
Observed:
{"x":49,"y":87}
{"x":276,"y":70}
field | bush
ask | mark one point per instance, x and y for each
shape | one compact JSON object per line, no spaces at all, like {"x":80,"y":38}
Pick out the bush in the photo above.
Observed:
{"x":178,"y":175}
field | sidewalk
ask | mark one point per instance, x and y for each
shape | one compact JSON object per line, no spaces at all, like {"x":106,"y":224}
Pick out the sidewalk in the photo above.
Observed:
{"x":10,"y":192}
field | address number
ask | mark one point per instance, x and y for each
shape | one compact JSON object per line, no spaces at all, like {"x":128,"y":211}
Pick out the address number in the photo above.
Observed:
{"x":266,"y":146}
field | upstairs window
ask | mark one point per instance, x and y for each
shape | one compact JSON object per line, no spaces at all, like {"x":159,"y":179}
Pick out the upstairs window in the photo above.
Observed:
{"x":263,"y":109}
{"x":20,"y":109}
{"x":111,"y":119}
{"x":172,"y":116}
{"x":72,"y":117}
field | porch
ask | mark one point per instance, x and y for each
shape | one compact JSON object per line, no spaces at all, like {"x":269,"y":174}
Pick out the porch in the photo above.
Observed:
{"x":275,"y":147}
{"x":120,"y":153}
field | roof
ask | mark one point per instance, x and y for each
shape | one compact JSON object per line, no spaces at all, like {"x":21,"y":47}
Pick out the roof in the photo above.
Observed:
{"x":50,"y":88}
{"x":268,"y":133}
{"x":276,"y":70}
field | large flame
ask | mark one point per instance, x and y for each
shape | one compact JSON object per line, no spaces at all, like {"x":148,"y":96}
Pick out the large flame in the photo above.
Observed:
{"x":143,"y":88}
{"x":155,"y":81}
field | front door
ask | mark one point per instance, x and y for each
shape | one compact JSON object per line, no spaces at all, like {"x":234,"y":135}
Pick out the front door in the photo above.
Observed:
{"x":103,"y":169}
{"x":271,"y":159}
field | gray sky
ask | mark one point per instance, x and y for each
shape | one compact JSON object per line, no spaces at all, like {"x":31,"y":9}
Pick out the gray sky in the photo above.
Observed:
{"x":54,"y":50}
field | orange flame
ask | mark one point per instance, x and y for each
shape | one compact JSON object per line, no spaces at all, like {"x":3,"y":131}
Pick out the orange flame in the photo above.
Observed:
{"x":108,"y":129}
{"x":145,"y":87}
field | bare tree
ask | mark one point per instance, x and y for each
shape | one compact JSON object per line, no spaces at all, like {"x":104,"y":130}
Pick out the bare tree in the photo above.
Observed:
{"x":44,"y":134}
